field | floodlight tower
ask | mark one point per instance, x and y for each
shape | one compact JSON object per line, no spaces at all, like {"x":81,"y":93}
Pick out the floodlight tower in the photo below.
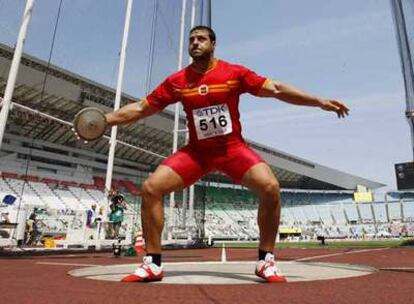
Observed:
{"x":403,"y":15}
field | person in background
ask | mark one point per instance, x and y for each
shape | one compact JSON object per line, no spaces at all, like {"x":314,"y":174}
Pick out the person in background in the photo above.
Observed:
{"x":91,"y":222}
{"x":31,"y":229}
{"x":99,"y":219}
{"x":118,"y":205}
{"x":91,"y":217}
{"x":100,"y":216}
{"x":4,"y":217}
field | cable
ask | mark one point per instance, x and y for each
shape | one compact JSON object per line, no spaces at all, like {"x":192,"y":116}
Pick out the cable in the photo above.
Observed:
{"x":151,"y":48}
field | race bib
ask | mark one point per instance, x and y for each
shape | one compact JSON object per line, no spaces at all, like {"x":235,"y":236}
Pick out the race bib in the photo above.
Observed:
{"x":212,"y":121}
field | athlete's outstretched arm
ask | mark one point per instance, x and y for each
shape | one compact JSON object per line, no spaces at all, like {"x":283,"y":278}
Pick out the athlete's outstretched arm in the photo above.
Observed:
{"x":131,"y":113}
{"x":295,"y":96}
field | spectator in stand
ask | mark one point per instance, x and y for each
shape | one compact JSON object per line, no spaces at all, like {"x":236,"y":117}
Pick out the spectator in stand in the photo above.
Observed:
{"x":4,"y":217}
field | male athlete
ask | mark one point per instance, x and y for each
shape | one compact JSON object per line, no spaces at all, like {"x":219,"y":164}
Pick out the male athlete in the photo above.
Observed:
{"x":209,"y":90}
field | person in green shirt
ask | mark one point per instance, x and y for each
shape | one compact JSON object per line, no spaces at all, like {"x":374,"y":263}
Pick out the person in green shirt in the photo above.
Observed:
{"x":116,"y":216}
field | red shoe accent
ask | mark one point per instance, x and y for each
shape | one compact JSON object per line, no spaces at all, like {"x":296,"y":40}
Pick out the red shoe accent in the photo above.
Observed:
{"x":271,"y":279}
{"x":135,"y":278}
{"x":145,"y":273}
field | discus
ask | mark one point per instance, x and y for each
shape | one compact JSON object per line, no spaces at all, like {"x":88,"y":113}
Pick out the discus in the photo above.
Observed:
{"x":90,"y":123}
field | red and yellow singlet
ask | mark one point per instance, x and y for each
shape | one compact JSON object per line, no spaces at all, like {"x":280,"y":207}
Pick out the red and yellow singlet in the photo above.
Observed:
{"x":210,"y":101}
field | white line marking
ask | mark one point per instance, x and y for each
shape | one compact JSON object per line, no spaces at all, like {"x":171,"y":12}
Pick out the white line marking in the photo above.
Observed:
{"x":167,"y":263}
{"x":209,"y":262}
{"x":401,"y":269}
{"x":67,"y":264}
{"x":337,"y":254}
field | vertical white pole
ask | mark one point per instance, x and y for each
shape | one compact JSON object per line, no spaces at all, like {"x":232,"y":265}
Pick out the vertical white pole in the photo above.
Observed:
{"x":191,"y":205}
{"x":184,"y":209}
{"x":14,"y":68}
{"x":186,"y":201}
{"x":193,"y":14}
{"x":117,"y":103}
{"x":191,"y":220}
{"x":177,"y":113}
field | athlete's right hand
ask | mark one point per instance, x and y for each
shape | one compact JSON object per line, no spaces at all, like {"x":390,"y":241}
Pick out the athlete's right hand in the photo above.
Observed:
{"x":335,"y":106}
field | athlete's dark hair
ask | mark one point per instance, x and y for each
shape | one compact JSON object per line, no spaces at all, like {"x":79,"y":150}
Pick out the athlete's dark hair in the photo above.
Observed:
{"x":210,"y":31}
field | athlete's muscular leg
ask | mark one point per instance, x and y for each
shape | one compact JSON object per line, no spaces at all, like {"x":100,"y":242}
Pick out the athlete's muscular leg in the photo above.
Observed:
{"x":163,"y":181}
{"x":260,"y":179}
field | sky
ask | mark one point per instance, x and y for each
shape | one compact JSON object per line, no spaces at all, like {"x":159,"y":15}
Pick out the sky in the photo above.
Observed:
{"x":337,"y":49}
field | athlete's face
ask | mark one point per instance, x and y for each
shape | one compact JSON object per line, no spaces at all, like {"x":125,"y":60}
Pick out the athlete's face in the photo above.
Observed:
{"x":200,"y":45}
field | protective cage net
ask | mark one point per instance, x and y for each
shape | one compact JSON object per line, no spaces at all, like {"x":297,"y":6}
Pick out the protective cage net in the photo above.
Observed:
{"x":55,"y":178}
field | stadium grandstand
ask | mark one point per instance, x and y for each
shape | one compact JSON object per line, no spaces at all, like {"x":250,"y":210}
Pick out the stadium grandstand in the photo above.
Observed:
{"x":59,"y":178}
{"x":64,"y":177}
{"x":70,"y":205}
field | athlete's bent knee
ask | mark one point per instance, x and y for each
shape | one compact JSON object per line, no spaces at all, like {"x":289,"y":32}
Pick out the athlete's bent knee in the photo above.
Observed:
{"x":271,"y":189}
{"x":150,"y":190}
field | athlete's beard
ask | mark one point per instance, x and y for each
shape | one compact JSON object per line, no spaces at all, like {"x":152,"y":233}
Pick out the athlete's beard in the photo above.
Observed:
{"x":202,"y":61}
{"x":200,"y":55}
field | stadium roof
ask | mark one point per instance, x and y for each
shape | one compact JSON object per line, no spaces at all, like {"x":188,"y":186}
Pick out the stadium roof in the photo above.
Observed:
{"x":65,"y":93}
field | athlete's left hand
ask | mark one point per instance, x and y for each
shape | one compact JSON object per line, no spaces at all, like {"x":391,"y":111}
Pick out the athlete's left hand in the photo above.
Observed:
{"x":335,"y":106}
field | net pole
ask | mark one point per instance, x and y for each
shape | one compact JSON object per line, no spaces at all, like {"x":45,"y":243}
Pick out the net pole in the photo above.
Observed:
{"x":184,"y":210}
{"x":177,"y":112}
{"x":191,"y":189}
{"x":193,"y":13}
{"x":14,"y":68}
{"x":191,"y":206}
{"x":114,"y":130}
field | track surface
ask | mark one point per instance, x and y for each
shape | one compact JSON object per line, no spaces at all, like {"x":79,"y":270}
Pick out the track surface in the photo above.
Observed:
{"x":44,"y":279}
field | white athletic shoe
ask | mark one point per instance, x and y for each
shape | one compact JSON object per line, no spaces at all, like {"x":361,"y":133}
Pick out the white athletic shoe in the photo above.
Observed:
{"x":266,"y":269}
{"x":146,"y":272}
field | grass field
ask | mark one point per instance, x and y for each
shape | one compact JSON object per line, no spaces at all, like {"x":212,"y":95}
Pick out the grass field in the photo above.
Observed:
{"x":334,"y":244}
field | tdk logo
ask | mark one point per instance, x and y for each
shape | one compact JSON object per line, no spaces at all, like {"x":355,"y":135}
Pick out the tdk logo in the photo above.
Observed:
{"x":209,"y":111}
